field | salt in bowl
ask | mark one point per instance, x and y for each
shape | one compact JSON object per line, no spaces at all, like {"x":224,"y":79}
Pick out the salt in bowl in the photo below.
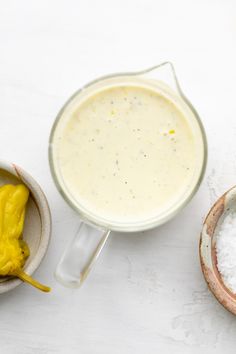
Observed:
{"x":207,"y":249}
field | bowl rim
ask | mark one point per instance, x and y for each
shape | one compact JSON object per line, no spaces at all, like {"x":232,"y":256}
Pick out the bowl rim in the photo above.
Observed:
{"x":207,"y":252}
{"x":45,"y":218}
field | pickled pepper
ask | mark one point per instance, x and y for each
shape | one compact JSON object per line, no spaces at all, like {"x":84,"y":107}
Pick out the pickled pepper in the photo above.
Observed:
{"x":13,"y":249}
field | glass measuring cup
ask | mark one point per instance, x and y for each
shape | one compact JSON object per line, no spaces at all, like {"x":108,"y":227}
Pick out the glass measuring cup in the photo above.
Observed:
{"x":94,"y":230}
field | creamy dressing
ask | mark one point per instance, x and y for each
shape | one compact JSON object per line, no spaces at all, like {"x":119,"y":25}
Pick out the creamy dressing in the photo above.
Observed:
{"x":126,"y":153}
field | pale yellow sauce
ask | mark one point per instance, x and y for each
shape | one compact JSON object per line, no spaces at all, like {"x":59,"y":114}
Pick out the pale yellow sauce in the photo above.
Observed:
{"x":126,"y":154}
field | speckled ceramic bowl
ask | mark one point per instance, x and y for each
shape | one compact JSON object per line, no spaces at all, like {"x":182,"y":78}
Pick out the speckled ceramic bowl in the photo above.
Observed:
{"x":37,"y":229}
{"x":207,"y":249}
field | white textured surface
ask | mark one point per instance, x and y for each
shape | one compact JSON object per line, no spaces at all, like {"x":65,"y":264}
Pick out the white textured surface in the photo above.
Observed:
{"x":147,"y":293}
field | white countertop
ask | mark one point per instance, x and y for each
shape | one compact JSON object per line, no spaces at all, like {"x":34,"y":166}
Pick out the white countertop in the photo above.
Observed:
{"x":146,"y":293}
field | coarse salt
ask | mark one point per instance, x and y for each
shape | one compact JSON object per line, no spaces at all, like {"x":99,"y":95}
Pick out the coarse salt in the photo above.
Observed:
{"x":226,"y":251}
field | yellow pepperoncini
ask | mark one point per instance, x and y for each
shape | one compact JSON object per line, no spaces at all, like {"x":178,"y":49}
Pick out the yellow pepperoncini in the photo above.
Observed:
{"x":13,"y":249}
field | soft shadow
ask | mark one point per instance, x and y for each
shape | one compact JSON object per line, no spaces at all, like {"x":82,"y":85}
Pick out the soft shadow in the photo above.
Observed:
{"x":144,"y":238}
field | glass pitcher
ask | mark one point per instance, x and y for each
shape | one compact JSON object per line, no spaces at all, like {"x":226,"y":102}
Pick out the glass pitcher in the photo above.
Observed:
{"x":85,"y":247}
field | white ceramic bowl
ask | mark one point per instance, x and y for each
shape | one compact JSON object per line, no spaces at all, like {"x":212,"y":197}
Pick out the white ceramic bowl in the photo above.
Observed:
{"x":37,"y":229}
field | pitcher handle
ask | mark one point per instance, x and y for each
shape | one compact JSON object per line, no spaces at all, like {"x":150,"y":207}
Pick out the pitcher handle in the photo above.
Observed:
{"x":80,"y":255}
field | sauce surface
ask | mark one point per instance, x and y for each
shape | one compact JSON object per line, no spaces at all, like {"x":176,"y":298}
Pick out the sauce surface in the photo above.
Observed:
{"x":127,"y":153}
